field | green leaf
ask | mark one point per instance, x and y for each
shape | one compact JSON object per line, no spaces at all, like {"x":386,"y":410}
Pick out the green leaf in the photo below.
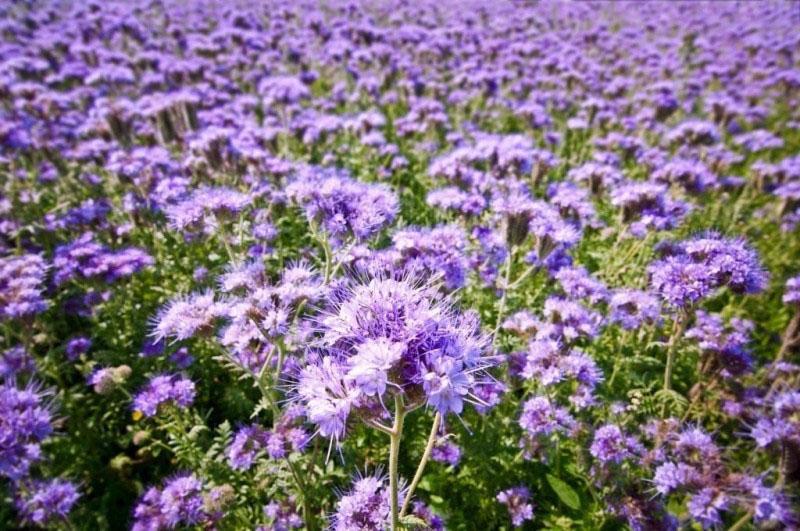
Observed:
{"x":565,"y":493}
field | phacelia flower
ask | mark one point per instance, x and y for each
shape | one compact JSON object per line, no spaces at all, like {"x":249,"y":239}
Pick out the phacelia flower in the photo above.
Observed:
{"x":164,"y":389}
{"x":517,"y":500}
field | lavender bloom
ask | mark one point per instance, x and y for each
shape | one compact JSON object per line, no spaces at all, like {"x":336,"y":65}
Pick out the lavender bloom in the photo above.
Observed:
{"x":633,"y":308}
{"x":517,"y":500}
{"x":187,"y":316}
{"x":446,"y":452}
{"x":105,"y":379}
{"x":396,"y":337}
{"x":670,"y":476}
{"x":540,"y":417}
{"x":692,"y":175}
{"x":283,"y":515}
{"x":647,"y":206}
{"x":246,"y":445}
{"x":14,"y":361}
{"x":440,"y":250}
{"x":164,"y":389}
{"x":706,"y":505}
{"x":779,"y":422}
{"x":792,"y":293}
{"x":180,"y":502}
{"x":77,"y":346}
{"x":573,"y":204}
{"x":84,"y":258}
{"x":610,"y":445}
{"x":724,"y":348}
{"x":365,"y":506}
{"x":43,"y":502}
{"x":342,"y":207}
{"x":577,"y":283}
{"x":569,"y":321}
{"x":25,"y":421}
{"x":21,"y":284}
{"x":694,"y":132}
{"x":758,"y":140}
{"x":205,"y":209}
{"x":698,"y":266}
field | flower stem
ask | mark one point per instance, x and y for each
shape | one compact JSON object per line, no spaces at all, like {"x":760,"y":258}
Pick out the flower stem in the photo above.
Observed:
{"x":504,"y":298}
{"x":743,"y":521}
{"x":394,"y":454}
{"x":677,"y":331}
{"x":422,"y":462}
{"x":790,"y":335}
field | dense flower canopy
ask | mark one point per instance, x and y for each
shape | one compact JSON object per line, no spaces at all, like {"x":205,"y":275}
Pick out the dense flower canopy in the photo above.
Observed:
{"x":533,"y":264}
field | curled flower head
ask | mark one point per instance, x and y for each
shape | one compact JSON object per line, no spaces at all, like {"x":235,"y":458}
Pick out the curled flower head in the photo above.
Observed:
{"x":517,"y":500}
{"x":391,"y":337}
{"x":365,"y":505}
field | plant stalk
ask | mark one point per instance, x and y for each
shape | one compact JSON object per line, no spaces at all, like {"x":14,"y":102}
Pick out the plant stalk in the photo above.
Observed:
{"x":394,"y":454}
{"x":422,"y":462}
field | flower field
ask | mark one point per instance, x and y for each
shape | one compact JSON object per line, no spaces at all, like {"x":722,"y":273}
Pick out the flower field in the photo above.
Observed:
{"x":396,"y":265}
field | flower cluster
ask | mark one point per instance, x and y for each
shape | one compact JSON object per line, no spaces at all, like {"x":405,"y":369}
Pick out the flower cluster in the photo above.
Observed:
{"x":184,"y":500}
{"x":164,"y":389}
{"x":391,"y":337}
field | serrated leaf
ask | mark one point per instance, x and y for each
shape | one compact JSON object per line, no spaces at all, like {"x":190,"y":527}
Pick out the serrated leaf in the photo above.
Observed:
{"x":564,"y":492}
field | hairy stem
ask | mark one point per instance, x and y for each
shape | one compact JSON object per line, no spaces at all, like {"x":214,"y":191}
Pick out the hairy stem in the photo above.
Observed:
{"x":678,"y":327}
{"x":743,"y":521}
{"x":504,"y":298}
{"x":394,"y":453}
{"x":422,"y":462}
{"x":789,"y":335}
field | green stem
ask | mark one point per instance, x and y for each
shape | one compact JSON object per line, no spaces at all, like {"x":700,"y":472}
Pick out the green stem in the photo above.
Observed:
{"x":394,"y":454}
{"x":422,"y":462}
{"x":741,"y":522}
{"x":504,"y":298}
{"x":309,"y":516}
{"x":678,"y":327}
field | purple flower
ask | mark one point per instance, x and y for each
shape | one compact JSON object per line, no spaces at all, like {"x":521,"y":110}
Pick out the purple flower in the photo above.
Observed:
{"x":77,"y":346}
{"x":25,"y":421}
{"x":370,"y":364}
{"x":205,"y":209}
{"x":670,"y":476}
{"x":391,"y":336}
{"x":792,"y":293}
{"x":610,"y":445}
{"x":21,"y":285}
{"x":344,"y":208}
{"x":83,"y":258}
{"x":105,"y":379}
{"x":569,"y":321}
{"x":440,"y":250}
{"x":186,"y":316}
{"x":517,"y":500}
{"x":446,"y":452}
{"x":706,"y":505}
{"x":696,"y":267}
{"x":246,"y":445}
{"x":283,"y":515}
{"x":14,"y":361}
{"x":43,"y":502}
{"x":726,"y":346}
{"x":364,"y":506}
{"x":577,"y":283}
{"x":541,"y":417}
{"x":181,"y":502}
{"x":633,"y":308}
{"x":164,"y":389}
